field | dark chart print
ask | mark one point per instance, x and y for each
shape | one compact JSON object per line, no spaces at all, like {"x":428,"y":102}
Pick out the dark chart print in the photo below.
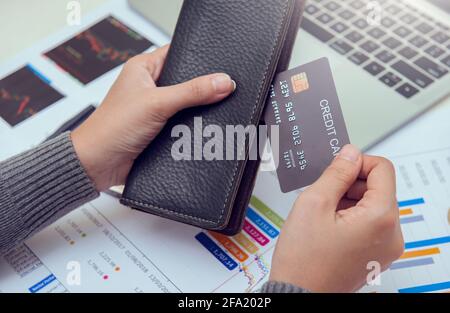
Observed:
{"x":99,"y":49}
{"x":23,"y":94}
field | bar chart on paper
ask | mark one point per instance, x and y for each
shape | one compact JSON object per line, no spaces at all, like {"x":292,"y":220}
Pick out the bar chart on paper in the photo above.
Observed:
{"x":124,"y":250}
{"x":424,"y":203}
{"x":249,"y":251}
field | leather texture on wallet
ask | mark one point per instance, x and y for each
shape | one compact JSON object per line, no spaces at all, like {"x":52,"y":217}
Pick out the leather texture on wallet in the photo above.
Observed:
{"x":250,"y":40}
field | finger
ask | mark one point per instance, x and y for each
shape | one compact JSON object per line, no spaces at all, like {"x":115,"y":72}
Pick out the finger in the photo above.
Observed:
{"x":380,"y":196}
{"x":339,"y":176}
{"x":154,"y":61}
{"x":345,"y":203}
{"x":379,"y":174}
{"x":160,"y":56}
{"x":199,"y":91}
{"x":357,"y":190}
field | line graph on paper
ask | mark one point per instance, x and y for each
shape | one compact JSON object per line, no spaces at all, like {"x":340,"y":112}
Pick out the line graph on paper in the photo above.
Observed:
{"x":25,"y":93}
{"x":98,"y":49}
{"x":245,"y":255}
{"x":21,"y":102}
{"x":102,"y":51}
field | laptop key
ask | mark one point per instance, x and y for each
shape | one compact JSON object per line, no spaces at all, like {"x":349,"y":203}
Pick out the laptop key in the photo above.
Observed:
{"x":434,"y":51}
{"x":361,"y":23}
{"x":316,"y":30}
{"x":376,"y":33}
{"x":325,"y":18}
{"x":339,"y":27}
{"x":409,"y":6}
{"x":358,"y":58}
{"x":393,"y":9}
{"x":440,"y":37}
{"x":341,"y":46}
{"x":357,"y":4}
{"x":445,"y":28}
{"x":332,"y":6}
{"x":407,"y":90}
{"x":408,"y":53}
{"x":390,"y":79}
{"x":385,"y":56}
{"x":412,"y":74}
{"x":430,"y":67}
{"x":370,"y":46}
{"x":418,"y":41}
{"x":408,"y":18}
{"x":374,"y":68}
{"x":392,"y":43}
{"x":354,"y":36}
{"x":424,"y":28}
{"x":387,"y":22}
{"x":311,"y":9}
{"x":347,"y":15}
{"x":402,"y":31}
{"x":446,"y":60}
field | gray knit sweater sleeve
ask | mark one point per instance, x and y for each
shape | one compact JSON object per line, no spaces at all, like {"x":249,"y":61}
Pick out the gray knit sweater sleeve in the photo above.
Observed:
{"x":279,"y":287}
{"x":39,"y":186}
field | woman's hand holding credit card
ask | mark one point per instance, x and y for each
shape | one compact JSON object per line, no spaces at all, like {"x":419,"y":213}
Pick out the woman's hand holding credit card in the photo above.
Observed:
{"x":304,"y":104}
{"x":346,"y":223}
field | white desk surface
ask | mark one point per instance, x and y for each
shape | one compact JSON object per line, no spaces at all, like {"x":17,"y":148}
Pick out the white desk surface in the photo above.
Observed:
{"x":25,"y":22}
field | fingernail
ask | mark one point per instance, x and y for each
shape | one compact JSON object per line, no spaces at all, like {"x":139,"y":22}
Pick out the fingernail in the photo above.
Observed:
{"x":234,"y":84}
{"x":223,"y":83}
{"x":350,"y":153}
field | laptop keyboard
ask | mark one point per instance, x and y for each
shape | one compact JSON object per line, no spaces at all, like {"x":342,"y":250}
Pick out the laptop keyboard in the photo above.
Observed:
{"x":407,"y":51}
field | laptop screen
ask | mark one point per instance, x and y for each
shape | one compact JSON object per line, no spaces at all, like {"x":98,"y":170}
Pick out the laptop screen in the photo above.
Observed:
{"x":443,"y":4}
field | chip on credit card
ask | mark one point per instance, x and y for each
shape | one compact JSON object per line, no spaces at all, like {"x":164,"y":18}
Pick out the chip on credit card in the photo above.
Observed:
{"x":304,"y":104}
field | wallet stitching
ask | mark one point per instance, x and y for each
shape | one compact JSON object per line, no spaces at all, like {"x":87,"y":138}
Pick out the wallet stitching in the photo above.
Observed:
{"x":190,"y":217}
{"x":170,"y":212}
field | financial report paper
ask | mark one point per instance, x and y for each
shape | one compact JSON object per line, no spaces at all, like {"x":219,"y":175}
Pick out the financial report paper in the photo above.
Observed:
{"x":106,"y":247}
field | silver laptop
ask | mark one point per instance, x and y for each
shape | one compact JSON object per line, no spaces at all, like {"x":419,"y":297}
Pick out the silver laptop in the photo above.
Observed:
{"x":390,"y":58}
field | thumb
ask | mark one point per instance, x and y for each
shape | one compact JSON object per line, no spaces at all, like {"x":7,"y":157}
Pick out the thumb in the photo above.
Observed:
{"x":199,"y":91}
{"x":339,"y":176}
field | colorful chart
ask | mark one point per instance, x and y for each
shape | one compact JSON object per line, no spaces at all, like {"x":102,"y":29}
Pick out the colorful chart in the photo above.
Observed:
{"x":261,"y":228}
{"x":424,"y":193}
{"x":24,"y":93}
{"x":98,"y":50}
